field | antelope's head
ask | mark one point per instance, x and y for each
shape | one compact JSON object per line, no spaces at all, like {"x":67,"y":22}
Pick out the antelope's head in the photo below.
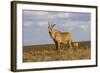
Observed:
{"x":50,"y":26}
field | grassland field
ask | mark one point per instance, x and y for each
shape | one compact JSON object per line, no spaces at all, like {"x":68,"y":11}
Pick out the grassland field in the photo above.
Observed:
{"x":48,"y":52}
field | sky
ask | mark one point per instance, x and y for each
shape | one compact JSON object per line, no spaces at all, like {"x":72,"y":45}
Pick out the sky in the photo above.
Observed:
{"x":35,"y":26}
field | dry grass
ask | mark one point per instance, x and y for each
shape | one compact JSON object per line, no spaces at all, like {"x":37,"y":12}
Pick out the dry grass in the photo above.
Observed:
{"x":48,"y":52}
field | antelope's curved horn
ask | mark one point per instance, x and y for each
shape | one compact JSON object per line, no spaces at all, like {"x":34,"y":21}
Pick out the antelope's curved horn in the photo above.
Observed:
{"x":53,"y":25}
{"x":49,"y":22}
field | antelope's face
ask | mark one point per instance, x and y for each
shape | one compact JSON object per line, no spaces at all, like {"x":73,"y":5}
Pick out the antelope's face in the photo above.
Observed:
{"x":50,"y":27}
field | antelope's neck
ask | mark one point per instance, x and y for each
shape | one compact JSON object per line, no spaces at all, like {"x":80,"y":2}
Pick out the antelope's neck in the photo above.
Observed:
{"x":53,"y":33}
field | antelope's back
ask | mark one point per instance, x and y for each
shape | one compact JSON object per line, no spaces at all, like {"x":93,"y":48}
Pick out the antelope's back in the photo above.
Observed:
{"x":67,"y":35}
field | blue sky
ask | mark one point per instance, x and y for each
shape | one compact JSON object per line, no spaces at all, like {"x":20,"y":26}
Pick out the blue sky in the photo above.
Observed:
{"x":35,"y":25}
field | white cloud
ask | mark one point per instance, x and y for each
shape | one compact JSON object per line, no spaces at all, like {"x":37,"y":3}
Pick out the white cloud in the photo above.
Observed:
{"x":54,"y":16}
{"x":41,"y":18}
{"x":30,"y":12}
{"x":45,"y":14}
{"x":27,"y":23}
{"x":42,"y":23}
{"x":35,"y":23}
{"x":64,"y":15}
{"x":84,"y":25}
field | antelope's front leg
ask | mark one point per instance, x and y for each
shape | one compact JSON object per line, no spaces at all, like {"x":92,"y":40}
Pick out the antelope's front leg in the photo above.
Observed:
{"x":56,"y":45}
{"x":59,"y":46}
{"x":70,"y":43}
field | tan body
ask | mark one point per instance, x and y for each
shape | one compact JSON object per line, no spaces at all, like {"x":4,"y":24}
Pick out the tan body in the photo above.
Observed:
{"x":60,"y":37}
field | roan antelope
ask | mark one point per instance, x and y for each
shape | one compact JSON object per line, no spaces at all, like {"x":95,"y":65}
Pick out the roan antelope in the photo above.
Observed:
{"x":59,"y":37}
